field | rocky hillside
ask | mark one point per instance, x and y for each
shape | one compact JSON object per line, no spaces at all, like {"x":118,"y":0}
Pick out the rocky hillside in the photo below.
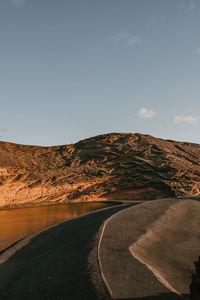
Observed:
{"x":106,"y":167}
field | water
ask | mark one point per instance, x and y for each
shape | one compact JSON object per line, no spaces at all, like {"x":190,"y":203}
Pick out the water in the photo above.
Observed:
{"x":17,"y":223}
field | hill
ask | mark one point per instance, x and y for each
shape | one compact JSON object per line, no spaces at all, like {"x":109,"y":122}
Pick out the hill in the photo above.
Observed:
{"x":121,"y":166}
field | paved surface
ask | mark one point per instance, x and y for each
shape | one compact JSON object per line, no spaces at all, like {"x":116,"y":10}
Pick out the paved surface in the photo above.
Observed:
{"x":126,"y":276}
{"x":60,"y":263}
{"x":171,"y":245}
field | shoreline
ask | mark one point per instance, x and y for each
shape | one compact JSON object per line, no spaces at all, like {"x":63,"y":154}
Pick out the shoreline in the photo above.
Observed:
{"x":27,"y":205}
{"x":32,"y":205}
{"x":117,"y":201}
{"x":59,"y":261}
{"x":16,"y":246}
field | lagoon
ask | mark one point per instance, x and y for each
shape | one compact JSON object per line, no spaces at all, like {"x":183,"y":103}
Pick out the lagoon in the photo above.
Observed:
{"x":15,"y":224}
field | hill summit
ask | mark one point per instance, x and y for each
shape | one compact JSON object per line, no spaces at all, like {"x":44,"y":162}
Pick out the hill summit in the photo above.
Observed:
{"x":115,"y":166}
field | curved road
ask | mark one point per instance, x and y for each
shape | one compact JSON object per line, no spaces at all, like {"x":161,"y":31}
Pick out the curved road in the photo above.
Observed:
{"x":60,"y":263}
{"x":125,"y":276}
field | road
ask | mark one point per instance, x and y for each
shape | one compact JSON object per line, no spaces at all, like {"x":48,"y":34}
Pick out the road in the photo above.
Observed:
{"x":60,"y":263}
{"x":126,"y":277}
{"x":68,"y":261}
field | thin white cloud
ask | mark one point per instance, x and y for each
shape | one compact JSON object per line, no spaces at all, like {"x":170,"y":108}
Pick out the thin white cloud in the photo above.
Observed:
{"x":191,"y":6}
{"x":155,"y":20}
{"x":18,"y":2}
{"x":186,"y":119}
{"x":117,"y":37}
{"x":162,"y":18}
{"x":133,"y":40}
{"x":146,"y":113}
{"x":198,"y":51}
{"x":126,"y":38}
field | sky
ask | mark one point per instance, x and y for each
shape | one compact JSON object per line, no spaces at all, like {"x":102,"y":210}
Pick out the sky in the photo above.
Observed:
{"x":72,"y":69}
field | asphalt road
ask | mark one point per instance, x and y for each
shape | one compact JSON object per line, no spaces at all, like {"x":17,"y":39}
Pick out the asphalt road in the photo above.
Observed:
{"x":126,"y":277}
{"x":60,"y":263}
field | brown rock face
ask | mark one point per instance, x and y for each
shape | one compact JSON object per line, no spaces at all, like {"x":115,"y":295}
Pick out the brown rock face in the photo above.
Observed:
{"x":106,"y":167}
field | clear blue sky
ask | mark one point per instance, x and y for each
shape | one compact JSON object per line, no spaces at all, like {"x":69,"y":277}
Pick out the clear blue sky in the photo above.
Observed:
{"x":71,"y":69}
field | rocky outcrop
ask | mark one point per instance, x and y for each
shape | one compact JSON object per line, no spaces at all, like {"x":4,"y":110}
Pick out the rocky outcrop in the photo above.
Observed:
{"x":106,"y":167}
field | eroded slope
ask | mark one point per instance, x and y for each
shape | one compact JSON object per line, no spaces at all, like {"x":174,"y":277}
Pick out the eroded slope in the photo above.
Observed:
{"x":105,"y":167}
